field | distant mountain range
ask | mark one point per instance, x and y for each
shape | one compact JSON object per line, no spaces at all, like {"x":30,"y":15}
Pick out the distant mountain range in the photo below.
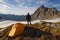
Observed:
{"x":43,"y":13}
{"x":12,"y":17}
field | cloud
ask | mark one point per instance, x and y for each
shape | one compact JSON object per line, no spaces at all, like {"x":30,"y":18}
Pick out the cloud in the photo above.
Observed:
{"x":7,"y":8}
{"x":32,"y":2}
{"x":23,"y":11}
{"x":4,"y":8}
{"x":22,"y":7}
{"x":1,"y":0}
{"x":56,"y":5}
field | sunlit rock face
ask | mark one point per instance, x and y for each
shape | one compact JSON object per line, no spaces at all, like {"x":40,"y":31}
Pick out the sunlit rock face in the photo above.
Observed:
{"x":43,"y":13}
{"x":16,"y":30}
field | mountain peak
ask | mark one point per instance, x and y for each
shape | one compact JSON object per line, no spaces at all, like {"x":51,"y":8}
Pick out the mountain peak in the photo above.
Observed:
{"x":45,"y":13}
{"x":42,"y":6}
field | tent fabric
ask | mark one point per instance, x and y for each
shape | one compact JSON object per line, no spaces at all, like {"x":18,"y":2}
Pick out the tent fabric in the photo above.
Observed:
{"x":17,"y":29}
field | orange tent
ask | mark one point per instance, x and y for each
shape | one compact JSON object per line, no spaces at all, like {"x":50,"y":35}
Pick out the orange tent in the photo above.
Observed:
{"x":17,"y":29}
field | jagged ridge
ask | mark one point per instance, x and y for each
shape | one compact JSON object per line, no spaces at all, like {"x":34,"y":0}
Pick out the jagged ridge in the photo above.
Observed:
{"x":45,"y":13}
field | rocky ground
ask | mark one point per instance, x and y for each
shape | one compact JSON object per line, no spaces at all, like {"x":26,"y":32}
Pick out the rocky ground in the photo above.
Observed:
{"x":38,"y":31}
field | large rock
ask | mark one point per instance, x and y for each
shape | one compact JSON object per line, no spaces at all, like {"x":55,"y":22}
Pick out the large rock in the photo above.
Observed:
{"x":4,"y":31}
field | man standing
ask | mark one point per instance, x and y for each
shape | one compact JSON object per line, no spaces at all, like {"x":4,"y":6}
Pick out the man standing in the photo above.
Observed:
{"x":28,"y":18}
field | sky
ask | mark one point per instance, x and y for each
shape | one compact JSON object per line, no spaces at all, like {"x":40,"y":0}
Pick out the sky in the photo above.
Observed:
{"x":22,"y":7}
